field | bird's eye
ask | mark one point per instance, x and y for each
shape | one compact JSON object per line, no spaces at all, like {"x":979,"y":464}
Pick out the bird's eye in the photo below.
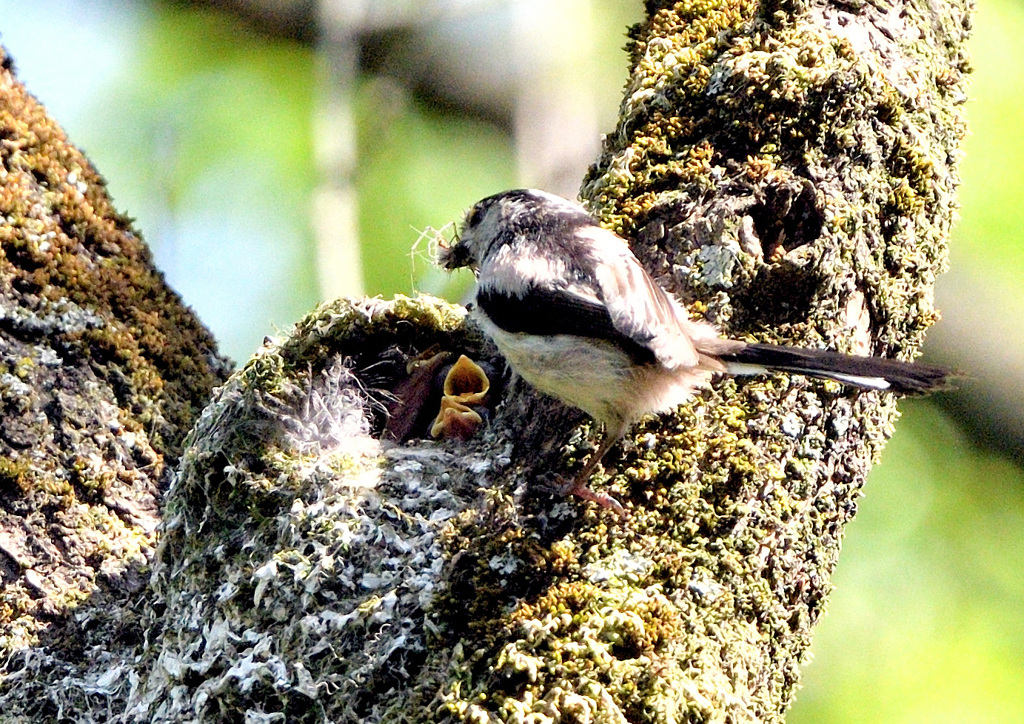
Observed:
{"x":474,"y":217}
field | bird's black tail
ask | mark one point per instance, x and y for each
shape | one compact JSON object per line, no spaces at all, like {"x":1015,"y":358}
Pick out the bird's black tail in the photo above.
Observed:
{"x":875,"y":373}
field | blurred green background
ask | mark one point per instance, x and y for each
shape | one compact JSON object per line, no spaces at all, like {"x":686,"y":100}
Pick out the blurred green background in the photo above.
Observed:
{"x":202,"y":123}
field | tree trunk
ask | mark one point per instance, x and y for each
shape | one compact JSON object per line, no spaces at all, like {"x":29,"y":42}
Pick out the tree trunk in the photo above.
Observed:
{"x":102,"y":371}
{"x":788,"y":169}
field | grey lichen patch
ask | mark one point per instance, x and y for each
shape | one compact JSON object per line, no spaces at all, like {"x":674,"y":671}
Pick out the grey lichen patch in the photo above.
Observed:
{"x":300,"y":556}
{"x":83,"y":463}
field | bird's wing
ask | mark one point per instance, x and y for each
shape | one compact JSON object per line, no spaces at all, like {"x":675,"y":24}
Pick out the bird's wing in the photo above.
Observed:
{"x":612,"y":297}
{"x":641,"y":310}
{"x":547,"y":311}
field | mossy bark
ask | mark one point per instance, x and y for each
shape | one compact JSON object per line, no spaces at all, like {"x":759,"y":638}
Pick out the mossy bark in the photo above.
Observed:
{"x":102,"y":372}
{"x":788,"y":169}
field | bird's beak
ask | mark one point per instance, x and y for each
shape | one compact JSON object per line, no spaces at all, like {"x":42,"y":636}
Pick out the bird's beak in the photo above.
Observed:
{"x":454,"y":256}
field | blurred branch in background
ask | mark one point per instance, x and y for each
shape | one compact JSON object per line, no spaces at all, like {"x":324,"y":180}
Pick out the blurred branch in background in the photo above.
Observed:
{"x":335,"y":206}
{"x":291,"y":19}
{"x":445,"y":50}
{"x":982,"y":336}
{"x":557,"y":135}
{"x":982,"y":332}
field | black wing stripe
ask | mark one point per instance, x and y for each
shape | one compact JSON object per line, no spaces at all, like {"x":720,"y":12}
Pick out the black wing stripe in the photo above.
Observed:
{"x":550,"y":312}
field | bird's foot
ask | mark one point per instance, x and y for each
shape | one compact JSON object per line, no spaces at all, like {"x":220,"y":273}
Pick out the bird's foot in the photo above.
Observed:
{"x":580,"y":490}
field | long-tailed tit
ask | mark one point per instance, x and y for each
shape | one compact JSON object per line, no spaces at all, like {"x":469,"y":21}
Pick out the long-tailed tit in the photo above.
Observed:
{"x":578,"y":317}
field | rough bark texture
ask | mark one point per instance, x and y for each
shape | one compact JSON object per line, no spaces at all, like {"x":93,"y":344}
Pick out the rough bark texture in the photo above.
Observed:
{"x":789,"y":170}
{"x":102,"y":372}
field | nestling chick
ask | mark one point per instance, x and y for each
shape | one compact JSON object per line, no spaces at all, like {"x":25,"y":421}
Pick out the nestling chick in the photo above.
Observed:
{"x":578,"y":317}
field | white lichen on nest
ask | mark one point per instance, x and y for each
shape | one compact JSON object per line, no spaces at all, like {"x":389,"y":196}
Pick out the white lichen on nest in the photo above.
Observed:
{"x":299,"y":557}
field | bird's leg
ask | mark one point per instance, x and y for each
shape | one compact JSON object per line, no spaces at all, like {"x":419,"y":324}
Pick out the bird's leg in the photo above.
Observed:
{"x":579,"y":486}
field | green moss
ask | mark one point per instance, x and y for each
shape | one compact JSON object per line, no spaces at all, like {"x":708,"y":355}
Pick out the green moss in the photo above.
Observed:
{"x":844,"y":177}
{"x":15,"y":477}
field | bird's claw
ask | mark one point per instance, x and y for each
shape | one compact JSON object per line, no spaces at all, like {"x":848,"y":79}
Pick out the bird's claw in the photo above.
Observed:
{"x":580,"y":490}
{"x":557,"y":484}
